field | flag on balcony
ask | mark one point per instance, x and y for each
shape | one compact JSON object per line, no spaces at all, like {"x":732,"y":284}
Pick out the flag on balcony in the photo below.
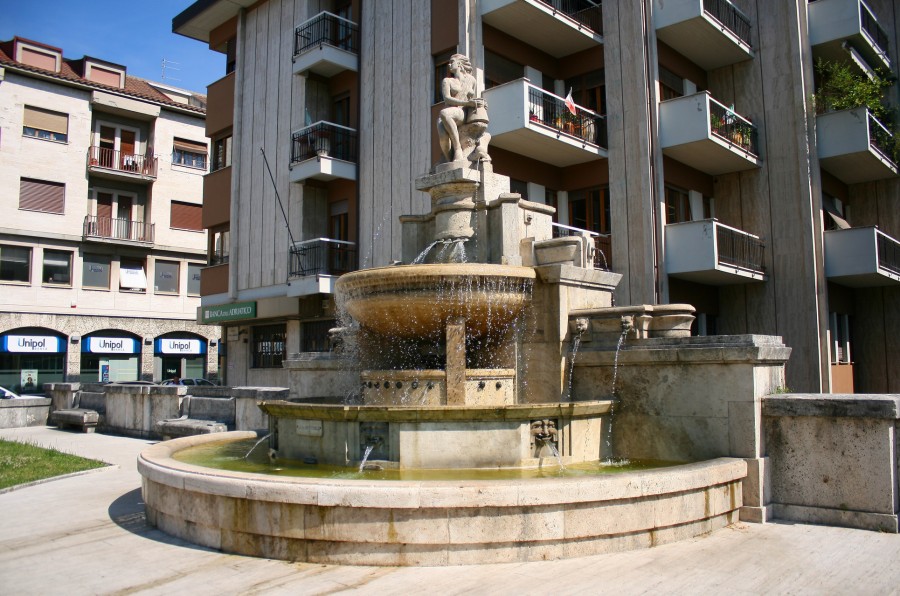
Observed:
{"x":570,"y":103}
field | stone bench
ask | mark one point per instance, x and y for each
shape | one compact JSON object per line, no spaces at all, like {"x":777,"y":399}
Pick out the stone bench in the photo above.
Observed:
{"x":199,"y":416}
{"x":87,"y":413}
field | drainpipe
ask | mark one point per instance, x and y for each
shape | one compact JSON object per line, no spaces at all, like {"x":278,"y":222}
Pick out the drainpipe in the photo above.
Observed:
{"x":237,"y":123}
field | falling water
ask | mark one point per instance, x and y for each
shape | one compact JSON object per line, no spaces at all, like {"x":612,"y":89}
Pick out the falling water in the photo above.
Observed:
{"x":575,"y":343}
{"x":616,"y":360}
{"x":362,"y":464}
{"x":605,"y":262}
{"x":424,"y":254}
{"x":556,"y":454}
{"x":256,"y":444}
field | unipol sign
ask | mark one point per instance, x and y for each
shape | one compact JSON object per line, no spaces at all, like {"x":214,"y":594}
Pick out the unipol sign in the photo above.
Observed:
{"x":111,"y":345}
{"x":31,"y":343}
{"x":179,"y":346}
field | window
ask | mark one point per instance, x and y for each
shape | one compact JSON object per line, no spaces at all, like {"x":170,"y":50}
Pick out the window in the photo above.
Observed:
{"x":15,"y":263}
{"x":193,"y":284}
{"x":519,"y":186}
{"x":315,"y":335}
{"x":186,"y":216}
{"x":499,"y":70}
{"x":589,"y":90}
{"x":57,"y":267}
{"x":166,"y":277}
{"x":589,"y":209}
{"x":45,"y":124}
{"x":219,"y":247}
{"x":678,"y":205}
{"x":441,"y":63}
{"x":340,"y":109}
{"x":189,"y":153}
{"x":221,"y":153}
{"x":268,"y":346}
{"x":551,"y":197}
{"x":839,"y":325}
{"x":671,"y":85}
{"x":132,"y":276}
{"x":95,"y":272}
{"x":40,"y":195}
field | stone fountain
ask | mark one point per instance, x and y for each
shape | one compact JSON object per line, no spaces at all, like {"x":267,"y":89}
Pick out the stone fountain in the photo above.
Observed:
{"x":463,"y":358}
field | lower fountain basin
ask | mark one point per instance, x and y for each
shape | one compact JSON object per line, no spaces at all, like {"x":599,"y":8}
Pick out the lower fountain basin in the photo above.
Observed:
{"x":352,"y":522}
{"x":418,"y":300}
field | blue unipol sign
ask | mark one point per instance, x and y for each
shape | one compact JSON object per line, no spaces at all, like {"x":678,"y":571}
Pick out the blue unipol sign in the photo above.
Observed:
{"x":110,"y":345}
{"x":30,"y":344}
{"x":180,"y":346}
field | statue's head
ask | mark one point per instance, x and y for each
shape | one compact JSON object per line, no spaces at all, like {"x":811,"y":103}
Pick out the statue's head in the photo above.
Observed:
{"x":462,"y":61}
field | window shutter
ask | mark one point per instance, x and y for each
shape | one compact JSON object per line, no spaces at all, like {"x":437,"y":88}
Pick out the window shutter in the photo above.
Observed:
{"x":38,"y":195}
{"x":46,"y":120}
{"x":191,"y":146}
{"x":186,"y":216}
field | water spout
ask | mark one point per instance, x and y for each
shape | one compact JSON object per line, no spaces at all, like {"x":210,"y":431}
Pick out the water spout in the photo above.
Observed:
{"x":362,"y":464}
{"x":256,"y":444}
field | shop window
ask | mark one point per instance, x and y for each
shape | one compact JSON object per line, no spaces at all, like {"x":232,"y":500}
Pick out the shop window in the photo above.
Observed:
{"x":95,"y":272}
{"x":189,"y":153}
{"x":15,"y":263}
{"x":45,"y":124}
{"x":40,"y":195}
{"x":132,"y":276}
{"x":165,"y":277}
{"x":221,"y":157}
{"x":269,"y":346}
{"x":186,"y":216}
{"x":193,"y":283}
{"x":57,"y":268}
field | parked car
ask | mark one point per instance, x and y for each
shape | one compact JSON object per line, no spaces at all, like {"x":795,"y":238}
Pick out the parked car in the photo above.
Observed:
{"x":179,"y":381}
{"x":7,"y":394}
{"x":132,"y":383}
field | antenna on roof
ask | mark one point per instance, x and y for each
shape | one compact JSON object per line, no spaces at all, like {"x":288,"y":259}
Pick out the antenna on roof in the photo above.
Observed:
{"x":170,"y":65}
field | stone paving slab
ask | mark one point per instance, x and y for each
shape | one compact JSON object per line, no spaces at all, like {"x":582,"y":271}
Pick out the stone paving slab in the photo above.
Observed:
{"x":86,"y":535}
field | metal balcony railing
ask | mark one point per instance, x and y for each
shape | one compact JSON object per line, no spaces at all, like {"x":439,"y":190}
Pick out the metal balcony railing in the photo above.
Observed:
{"x":100,"y":157}
{"x":118,"y":229}
{"x":602,"y":244}
{"x":587,"y":12}
{"x":731,"y":18}
{"x":880,"y":138}
{"x":726,"y":124}
{"x":870,"y":25}
{"x":326,"y":140}
{"x":739,"y":249}
{"x":216,"y":258}
{"x":322,"y":256}
{"x":550,"y":110}
{"x":327,"y":29}
{"x":888,"y":253}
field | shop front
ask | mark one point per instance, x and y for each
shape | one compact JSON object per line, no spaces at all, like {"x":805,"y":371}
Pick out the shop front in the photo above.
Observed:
{"x":179,"y":355}
{"x":110,"y":356}
{"x":30,"y":357}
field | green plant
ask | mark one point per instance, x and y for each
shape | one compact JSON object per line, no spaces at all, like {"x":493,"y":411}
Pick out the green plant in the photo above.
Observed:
{"x":842,"y":87}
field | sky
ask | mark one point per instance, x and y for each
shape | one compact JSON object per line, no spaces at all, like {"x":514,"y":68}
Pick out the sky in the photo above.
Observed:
{"x":137,"y":35}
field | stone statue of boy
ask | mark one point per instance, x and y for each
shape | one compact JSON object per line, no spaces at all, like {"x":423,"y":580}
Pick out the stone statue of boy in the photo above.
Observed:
{"x":462,"y":124}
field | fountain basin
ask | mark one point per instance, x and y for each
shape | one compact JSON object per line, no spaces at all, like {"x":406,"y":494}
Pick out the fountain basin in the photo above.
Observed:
{"x":418,"y":300}
{"x":352,"y":522}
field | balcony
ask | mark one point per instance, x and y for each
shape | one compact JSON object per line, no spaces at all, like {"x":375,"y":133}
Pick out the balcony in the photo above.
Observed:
{"x":862,"y":258}
{"x":702,"y":133}
{"x":712,"y":253}
{"x":326,"y":45}
{"x":557,"y":27}
{"x":115,"y":165}
{"x":854,"y":146}
{"x":117,"y":231}
{"x":324,"y":151}
{"x":535,"y":123}
{"x":709,"y":33}
{"x":838,"y":29}
{"x":316,"y":264}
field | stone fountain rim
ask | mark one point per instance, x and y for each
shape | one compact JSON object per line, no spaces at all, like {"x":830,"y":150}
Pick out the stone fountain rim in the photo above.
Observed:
{"x":157,"y":464}
{"x":429,"y":270}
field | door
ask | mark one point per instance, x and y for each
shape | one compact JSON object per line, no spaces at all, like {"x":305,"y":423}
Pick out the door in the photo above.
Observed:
{"x":106,"y":154}
{"x":127,"y":146}
{"x":104,"y":215}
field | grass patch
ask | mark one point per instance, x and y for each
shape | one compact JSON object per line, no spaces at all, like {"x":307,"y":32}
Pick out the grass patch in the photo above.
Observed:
{"x":21,"y":463}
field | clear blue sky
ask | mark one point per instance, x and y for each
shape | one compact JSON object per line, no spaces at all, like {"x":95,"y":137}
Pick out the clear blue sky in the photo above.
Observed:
{"x":137,"y":35}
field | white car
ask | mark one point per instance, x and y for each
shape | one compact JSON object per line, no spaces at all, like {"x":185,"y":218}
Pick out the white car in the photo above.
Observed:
{"x":188,"y":382}
{"x":7,"y":394}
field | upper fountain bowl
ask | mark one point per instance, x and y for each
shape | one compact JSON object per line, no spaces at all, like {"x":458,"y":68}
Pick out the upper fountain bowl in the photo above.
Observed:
{"x":418,"y":300}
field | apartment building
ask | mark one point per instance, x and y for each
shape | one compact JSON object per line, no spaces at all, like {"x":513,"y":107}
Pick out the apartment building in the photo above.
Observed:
{"x":101,"y":240}
{"x":697,"y":157}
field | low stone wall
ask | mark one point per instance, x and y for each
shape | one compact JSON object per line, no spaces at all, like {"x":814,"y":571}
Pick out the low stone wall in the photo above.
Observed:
{"x":834,"y":459}
{"x":347,"y":522}
{"x":24,"y":411}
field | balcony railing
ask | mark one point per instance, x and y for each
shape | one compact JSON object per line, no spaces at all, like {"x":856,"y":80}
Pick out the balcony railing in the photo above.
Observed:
{"x":112,"y":228}
{"x":128,"y":163}
{"x":870,"y":27}
{"x":888,"y":253}
{"x":880,"y":138}
{"x":602,"y":244}
{"x":327,"y":29}
{"x":324,"y":139}
{"x":588,"y":13}
{"x":322,"y":256}
{"x":731,"y":18}
{"x":724,"y":123}
{"x":550,"y":110}
{"x":740,"y":249}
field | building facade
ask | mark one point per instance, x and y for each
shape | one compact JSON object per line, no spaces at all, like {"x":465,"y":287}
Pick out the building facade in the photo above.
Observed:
{"x":705,"y":153}
{"x":102,"y":242}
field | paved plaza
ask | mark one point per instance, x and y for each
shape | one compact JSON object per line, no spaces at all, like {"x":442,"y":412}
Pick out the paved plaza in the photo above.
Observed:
{"x":86,"y":534}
